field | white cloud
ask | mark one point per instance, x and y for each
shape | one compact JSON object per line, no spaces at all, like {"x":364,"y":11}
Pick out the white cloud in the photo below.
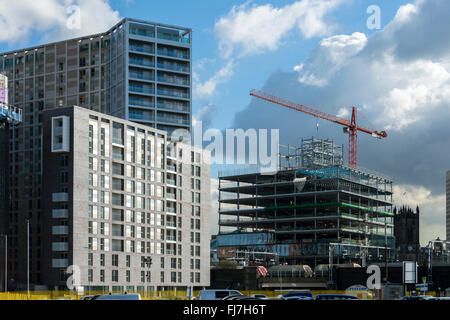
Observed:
{"x":432,"y":209}
{"x":421,"y":86}
{"x":19,"y":20}
{"x":208,"y":88}
{"x":256,"y":29}
{"x":331,"y":55}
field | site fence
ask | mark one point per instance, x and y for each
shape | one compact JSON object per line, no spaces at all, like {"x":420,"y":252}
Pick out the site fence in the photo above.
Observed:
{"x":170,"y":295}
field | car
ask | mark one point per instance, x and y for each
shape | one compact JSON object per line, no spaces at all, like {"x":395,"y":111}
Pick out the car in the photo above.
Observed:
{"x":298,"y":298}
{"x":296,"y":294}
{"x":336,"y":297}
{"x":216,"y":294}
{"x":259,"y":296}
{"x":87,"y":297}
{"x":118,"y":296}
{"x":415,"y":298}
{"x":233,"y":297}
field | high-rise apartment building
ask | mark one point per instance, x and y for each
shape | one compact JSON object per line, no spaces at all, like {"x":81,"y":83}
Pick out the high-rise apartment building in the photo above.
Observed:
{"x":118,"y":195}
{"x":137,"y":70}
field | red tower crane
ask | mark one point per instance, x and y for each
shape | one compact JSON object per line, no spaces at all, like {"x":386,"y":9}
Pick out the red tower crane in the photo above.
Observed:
{"x":350,"y":126}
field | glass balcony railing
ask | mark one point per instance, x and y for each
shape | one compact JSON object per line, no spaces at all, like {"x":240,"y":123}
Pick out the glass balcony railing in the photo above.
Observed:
{"x":142,"y":32}
{"x":173,"y":66}
{"x":173,"y":53}
{"x":173,"y":106}
{"x":142,"y":48}
{"x":142,"y":76}
{"x":174,"y":120}
{"x":142,"y":89}
{"x":173,"y":80}
{"x":171,"y":196}
{"x":171,"y":210}
{"x":141,"y":116}
{"x":172,"y":37}
{"x":171,"y":182}
{"x":171,"y":167}
{"x":142,"y":62}
{"x":141,"y":102}
{"x":173,"y":93}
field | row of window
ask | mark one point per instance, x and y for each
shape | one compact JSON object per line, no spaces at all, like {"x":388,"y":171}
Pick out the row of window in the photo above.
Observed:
{"x":145,"y":276}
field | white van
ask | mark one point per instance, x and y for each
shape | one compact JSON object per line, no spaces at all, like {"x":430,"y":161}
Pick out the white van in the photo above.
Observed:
{"x":216,"y":294}
{"x":118,"y":296}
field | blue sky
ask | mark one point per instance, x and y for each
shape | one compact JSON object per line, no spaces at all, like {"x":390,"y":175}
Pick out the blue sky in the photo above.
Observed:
{"x":398,"y":75}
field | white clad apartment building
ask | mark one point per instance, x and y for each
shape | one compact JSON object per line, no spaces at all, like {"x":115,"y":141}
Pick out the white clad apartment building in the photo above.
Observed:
{"x":124,"y":204}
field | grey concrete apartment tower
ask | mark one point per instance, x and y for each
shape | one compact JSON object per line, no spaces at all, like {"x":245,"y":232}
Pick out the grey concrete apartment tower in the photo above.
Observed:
{"x":117,"y":195}
{"x":137,"y":70}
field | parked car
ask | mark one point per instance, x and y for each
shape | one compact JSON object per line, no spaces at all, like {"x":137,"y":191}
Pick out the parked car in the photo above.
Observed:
{"x":415,"y":298}
{"x":118,"y":296}
{"x":259,"y":296}
{"x":298,"y":298}
{"x":216,"y":294}
{"x":336,"y":297}
{"x":87,"y":297}
{"x":233,"y":297}
{"x":305,"y":293}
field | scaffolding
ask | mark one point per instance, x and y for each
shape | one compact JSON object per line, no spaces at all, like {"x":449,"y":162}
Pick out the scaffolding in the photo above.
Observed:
{"x":297,"y":211}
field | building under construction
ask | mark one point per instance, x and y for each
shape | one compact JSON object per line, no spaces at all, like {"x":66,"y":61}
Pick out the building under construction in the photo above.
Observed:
{"x":312,"y":210}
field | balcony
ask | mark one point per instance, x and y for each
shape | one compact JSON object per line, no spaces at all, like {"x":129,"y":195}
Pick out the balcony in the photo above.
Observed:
{"x":173,"y":93}
{"x":60,"y":214}
{"x":60,"y":263}
{"x":171,"y":167}
{"x":174,"y":80}
{"x":142,"y":62}
{"x":60,"y":246}
{"x":172,"y":37}
{"x":60,"y":197}
{"x":171,"y":196}
{"x":141,"y":89}
{"x":180,"y":107}
{"x":171,"y":238}
{"x":171,"y":182}
{"x":60,"y":230}
{"x":173,"y":67}
{"x":173,"y":120}
{"x":173,"y":53}
{"x":171,"y":210}
{"x":140,"y":47}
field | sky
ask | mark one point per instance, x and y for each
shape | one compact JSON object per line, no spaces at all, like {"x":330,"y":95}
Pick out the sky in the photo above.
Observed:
{"x":395,"y":69}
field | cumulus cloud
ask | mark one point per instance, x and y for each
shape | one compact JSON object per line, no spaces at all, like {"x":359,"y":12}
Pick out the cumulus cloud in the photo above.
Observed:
{"x":204,"y":115}
{"x":51,"y":19}
{"x":329,"y":57}
{"x":208,"y":88}
{"x":255,"y":29}
{"x":399,"y":78}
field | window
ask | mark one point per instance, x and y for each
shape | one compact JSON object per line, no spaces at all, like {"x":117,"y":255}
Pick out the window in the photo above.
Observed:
{"x":173,"y":277}
{"x":128,"y":276}
{"x":90,"y":275}
{"x":102,"y":275}
{"x":115,"y":260}
{"x":162,"y":262}
{"x":128,"y":261}
{"x":115,"y":275}
{"x":102,"y":260}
